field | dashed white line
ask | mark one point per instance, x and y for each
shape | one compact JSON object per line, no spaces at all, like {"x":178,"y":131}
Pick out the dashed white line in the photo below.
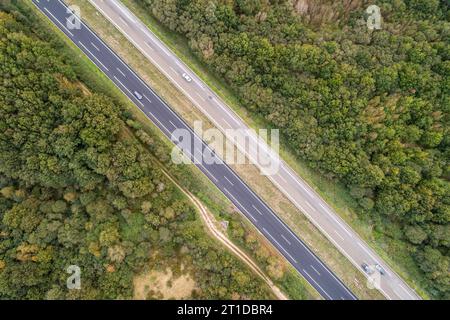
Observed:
{"x":306,"y":272}
{"x":229,"y":181}
{"x":237,"y":201}
{"x":227,"y":123}
{"x":212,"y":176}
{"x":92,"y":44}
{"x":284,"y":238}
{"x":257,"y":210}
{"x":407,"y":292}
{"x":312,"y":267}
{"x":147,"y":98}
{"x":173,"y":124}
{"x":89,"y":51}
{"x":121,"y":72}
{"x":279,"y":245}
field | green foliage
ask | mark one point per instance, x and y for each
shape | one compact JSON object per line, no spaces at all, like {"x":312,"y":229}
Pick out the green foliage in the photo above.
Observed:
{"x":76,"y":190}
{"x":367,"y":108}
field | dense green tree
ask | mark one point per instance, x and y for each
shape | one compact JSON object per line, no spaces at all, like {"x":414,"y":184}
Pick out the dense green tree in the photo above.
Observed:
{"x":366,"y":108}
{"x":75,"y":190}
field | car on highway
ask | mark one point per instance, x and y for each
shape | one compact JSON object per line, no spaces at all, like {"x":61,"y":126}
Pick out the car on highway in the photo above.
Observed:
{"x":138,"y":95}
{"x":186,"y":77}
{"x":367,"y":269}
{"x":380,"y":269}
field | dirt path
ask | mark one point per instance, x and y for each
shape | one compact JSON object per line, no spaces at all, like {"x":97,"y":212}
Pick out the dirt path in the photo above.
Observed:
{"x":213,"y":229}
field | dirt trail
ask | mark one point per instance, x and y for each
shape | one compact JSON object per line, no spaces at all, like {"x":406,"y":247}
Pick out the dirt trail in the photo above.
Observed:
{"x":214,"y":230}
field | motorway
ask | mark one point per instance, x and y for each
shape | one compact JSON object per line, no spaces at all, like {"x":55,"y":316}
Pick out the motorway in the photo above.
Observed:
{"x":285,"y":179}
{"x":245,"y":200}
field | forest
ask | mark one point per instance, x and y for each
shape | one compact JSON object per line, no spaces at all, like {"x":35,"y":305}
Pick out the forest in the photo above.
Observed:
{"x":78,"y":188}
{"x":366,"y":108}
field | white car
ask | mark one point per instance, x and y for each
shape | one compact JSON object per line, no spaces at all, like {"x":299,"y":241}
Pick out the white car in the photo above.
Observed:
{"x":138,"y":95}
{"x":187,"y":77}
{"x":380,"y":269}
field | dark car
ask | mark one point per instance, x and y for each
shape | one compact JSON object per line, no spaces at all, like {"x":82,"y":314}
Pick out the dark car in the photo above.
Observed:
{"x":367,"y":269}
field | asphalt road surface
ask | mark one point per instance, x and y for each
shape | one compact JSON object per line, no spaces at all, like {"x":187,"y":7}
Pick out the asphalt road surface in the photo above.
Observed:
{"x":285,"y":179}
{"x":263,"y":218}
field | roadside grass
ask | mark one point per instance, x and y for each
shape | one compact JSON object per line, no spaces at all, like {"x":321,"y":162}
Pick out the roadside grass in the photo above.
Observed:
{"x":205,"y":190}
{"x":396,"y":253}
{"x":188,"y":176}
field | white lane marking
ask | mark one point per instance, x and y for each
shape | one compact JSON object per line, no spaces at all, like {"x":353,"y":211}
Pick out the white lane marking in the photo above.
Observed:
{"x":147,"y":98}
{"x":162,"y":125}
{"x":306,"y":272}
{"x":92,"y":44}
{"x":312,"y":267}
{"x":302,"y":244}
{"x":117,"y":79}
{"x":285,"y":239}
{"x":121,"y":72}
{"x":227,"y":123}
{"x":236,"y":200}
{"x":257,"y":209}
{"x":229,"y":181}
{"x":296,"y":179}
{"x":404,"y":289}
{"x":282,"y":248}
{"x":128,"y":90}
{"x":173,"y":124}
{"x":93,"y":55}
